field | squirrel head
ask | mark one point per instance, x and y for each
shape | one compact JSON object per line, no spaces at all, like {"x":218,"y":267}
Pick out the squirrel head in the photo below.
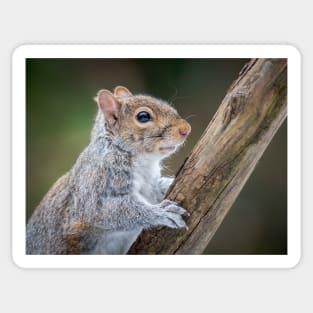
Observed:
{"x":143,"y":124}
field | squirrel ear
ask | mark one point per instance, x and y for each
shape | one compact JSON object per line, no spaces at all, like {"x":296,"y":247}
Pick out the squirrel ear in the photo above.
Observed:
{"x":108,"y":105}
{"x":121,"y":91}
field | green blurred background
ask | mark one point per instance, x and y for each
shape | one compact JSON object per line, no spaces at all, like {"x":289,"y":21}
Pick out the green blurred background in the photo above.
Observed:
{"x":61,"y":110}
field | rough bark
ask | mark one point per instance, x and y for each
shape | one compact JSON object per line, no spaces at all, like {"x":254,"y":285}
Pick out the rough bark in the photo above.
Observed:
{"x":213,"y":175}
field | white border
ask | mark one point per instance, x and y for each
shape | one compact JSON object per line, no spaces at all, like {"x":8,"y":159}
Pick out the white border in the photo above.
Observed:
{"x":155,"y":51}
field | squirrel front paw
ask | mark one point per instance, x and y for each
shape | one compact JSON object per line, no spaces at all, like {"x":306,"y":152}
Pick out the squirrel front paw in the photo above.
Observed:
{"x":170,"y":214}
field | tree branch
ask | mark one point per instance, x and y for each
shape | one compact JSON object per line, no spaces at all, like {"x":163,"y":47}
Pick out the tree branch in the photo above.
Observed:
{"x":213,"y":175}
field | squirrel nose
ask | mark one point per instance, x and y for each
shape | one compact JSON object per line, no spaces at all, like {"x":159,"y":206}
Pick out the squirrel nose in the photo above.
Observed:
{"x":184,"y":129}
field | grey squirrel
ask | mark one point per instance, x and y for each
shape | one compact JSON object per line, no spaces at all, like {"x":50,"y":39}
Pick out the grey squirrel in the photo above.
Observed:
{"x":115,"y":188}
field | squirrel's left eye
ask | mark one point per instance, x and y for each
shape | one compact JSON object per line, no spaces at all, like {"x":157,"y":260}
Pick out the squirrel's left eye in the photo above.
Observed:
{"x":143,"y":117}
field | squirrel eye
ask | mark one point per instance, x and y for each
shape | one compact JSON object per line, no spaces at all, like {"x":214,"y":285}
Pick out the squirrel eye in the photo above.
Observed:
{"x":143,"y":117}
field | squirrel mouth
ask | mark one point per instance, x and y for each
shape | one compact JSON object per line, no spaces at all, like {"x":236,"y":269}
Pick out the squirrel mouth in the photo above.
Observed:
{"x":168,"y":148}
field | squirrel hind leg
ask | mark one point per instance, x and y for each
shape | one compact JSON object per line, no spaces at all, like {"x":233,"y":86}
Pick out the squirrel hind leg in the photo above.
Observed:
{"x":116,"y":242}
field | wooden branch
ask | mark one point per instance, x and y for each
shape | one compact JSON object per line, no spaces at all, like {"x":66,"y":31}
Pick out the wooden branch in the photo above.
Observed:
{"x":212,"y":176}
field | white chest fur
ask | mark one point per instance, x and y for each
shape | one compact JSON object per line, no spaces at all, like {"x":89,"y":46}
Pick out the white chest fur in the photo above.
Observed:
{"x":147,"y":171}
